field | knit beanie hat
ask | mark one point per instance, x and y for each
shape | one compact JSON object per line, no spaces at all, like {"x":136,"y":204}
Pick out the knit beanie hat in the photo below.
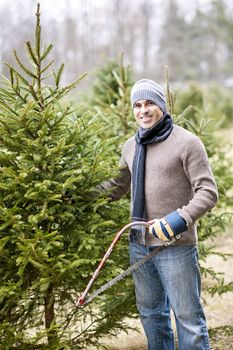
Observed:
{"x":146,"y":89}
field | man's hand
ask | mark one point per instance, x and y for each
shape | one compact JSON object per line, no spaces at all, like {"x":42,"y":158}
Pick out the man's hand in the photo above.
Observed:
{"x":168,"y":227}
{"x":161,"y":229}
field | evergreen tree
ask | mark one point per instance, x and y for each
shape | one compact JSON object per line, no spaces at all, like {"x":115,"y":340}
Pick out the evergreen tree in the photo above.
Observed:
{"x":212,"y":102}
{"x":110,"y":96}
{"x":54,"y":227}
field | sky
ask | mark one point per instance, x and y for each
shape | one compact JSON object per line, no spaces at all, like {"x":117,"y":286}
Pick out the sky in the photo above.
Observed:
{"x":55,"y":8}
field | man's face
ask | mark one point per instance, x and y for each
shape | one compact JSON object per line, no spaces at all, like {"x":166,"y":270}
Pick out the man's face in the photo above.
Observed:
{"x":146,"y":113}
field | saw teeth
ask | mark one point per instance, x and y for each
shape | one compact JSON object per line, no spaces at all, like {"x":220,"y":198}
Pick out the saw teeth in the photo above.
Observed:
{"x":128,"y":271}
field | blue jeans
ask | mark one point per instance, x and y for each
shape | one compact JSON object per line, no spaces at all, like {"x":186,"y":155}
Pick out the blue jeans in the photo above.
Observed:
{"x":170,"y":279}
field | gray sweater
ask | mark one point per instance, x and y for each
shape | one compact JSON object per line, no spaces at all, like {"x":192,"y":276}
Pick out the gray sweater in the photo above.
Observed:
{"x":177,"y":177}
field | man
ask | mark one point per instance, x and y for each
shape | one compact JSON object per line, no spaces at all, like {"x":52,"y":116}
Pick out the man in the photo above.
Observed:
{"x":172,"y":186}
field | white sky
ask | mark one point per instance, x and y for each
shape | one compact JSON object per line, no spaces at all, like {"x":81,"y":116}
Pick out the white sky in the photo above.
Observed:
{"x":55,"y":8}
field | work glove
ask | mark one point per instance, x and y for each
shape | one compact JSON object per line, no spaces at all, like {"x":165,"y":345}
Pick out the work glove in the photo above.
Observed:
{"x":168,"y":227}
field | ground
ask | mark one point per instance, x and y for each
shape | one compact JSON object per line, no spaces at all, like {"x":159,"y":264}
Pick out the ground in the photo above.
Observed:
{"x":218,"y":309}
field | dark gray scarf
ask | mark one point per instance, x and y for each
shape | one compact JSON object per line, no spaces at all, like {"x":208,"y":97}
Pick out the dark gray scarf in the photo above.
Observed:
{"x":159,"y":132}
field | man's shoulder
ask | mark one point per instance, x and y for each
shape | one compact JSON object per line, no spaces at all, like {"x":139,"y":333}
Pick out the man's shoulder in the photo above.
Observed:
{"x":130,"y":143}
{"x":186,"y":141}
{"x":184,"y":135}
{"x":129,"y":148}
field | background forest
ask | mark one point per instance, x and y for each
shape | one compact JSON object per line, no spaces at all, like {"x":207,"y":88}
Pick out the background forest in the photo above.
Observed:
{"x":194,"y":39}
{"x":59,"y":141}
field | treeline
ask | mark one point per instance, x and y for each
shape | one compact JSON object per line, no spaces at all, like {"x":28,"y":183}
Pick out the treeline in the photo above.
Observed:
{"x":196,"y":45}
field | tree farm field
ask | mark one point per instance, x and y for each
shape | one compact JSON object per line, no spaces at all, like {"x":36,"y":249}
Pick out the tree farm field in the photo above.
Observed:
{"x":218,"y":308}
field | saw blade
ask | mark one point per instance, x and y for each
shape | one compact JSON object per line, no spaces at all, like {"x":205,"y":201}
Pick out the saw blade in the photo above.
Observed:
{"x":128,"y":271}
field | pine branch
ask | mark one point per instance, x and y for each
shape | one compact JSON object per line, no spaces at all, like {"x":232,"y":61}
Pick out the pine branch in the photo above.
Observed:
{"x":8,"y":108}
{"x":25,"y":111}
{"x":60,"y":93}
{"x":38,"y":53}
{"x":169,"y":93}
{"x":17,"y":74}
{"x":33,"y":94}
{"x":6,"y":126}
{"x":45,"y":77}
{"x":182,"y":116}
{"x":38,"y":34}
{"x":23,"y":67}
{"x":46,"y":52}
{"x":59,"y":120}
{"x":58,"y":75}
{"x":11,"y":76}
{"x":45,"y":68}
{"x":221,"y":288}
{"x":17,"y":91}
{"x":31,"y":52}
{"x":118,"y":79}
{"x":15,"y":86}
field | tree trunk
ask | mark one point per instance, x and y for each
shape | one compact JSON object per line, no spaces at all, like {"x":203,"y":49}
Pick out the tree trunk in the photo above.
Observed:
{"x":49,"y":302}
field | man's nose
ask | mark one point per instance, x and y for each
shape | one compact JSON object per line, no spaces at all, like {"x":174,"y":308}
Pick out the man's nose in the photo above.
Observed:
{"x":144,"y":109}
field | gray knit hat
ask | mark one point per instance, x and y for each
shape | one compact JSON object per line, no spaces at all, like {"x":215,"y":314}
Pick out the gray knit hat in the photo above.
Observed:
{"x":146,"y":89}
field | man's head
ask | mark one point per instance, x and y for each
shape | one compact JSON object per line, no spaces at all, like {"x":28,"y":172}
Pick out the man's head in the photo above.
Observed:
{"x":148,"y":102}
{"x":146,"y":89}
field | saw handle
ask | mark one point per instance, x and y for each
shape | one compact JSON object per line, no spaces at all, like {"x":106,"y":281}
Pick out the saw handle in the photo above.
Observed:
{"x":81,"y":299}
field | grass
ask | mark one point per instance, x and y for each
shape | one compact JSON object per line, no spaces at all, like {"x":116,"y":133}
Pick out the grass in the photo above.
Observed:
{"x":221,"y":338}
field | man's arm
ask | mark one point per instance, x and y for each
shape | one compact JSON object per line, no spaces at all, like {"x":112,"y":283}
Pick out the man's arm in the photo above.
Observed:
{"x":205,"y":194}
{"x":198,"y":171}
{"x":120,"y":185}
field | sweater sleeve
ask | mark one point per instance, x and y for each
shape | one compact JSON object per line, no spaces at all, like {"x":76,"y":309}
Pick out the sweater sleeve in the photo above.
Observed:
{"x":198,"y":171}
{"x":120,"y":185}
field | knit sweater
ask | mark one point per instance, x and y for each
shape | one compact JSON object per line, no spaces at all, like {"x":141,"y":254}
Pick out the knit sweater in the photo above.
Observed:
{"x":177,"y":177}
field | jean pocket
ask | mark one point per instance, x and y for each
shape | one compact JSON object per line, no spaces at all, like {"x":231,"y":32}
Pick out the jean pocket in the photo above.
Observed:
{"x":137,"y":235}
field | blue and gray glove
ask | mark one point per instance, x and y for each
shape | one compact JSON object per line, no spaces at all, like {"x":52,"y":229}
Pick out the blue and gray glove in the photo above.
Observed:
{"x":168,"y":227}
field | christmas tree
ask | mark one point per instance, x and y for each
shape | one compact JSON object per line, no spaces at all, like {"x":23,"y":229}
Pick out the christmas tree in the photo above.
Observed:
{"x":54,"y":226}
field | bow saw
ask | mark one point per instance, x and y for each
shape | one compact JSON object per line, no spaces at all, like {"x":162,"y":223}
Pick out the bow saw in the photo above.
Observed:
{"x":84,"y":299}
